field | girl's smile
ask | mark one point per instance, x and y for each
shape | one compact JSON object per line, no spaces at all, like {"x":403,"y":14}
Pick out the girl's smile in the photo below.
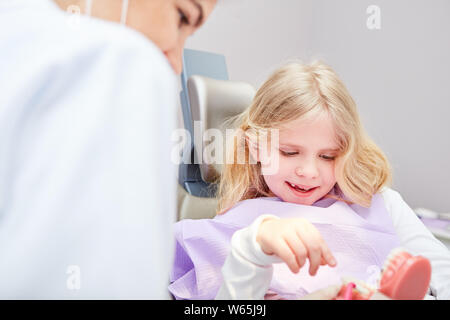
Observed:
{"x":299,"y":191}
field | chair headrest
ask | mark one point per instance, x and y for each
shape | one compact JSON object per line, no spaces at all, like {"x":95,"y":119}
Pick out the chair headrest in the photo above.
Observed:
{"x":212,"y":103}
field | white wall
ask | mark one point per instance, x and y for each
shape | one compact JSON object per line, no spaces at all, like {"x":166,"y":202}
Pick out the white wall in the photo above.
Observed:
{"x":399,"y":75}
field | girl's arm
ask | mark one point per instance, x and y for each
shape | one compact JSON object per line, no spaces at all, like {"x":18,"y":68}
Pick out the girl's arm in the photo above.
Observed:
{"x":416,"y":238}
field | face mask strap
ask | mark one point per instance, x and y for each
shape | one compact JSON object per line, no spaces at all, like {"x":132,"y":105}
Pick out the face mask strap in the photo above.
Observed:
{"x":123,"y":18}
{"x":88,"y":7}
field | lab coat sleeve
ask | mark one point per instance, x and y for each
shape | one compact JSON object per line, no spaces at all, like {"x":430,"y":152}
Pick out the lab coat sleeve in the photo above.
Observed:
{"x":92,"y":195}
{"x":417,"y":239}
{"x":247,"y":271}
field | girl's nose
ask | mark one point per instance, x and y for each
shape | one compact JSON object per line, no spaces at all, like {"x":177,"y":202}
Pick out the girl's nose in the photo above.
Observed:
{"x":308,"y":170}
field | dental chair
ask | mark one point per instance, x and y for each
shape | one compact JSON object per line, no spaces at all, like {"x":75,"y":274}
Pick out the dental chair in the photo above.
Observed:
{"x":208,"y":100}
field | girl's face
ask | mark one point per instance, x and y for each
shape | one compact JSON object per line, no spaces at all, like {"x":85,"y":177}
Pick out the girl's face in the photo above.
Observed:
{"x":307,"y":152}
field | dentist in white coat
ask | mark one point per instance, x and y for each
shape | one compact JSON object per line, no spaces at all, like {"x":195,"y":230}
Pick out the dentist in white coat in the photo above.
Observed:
{"x":87,"y":105}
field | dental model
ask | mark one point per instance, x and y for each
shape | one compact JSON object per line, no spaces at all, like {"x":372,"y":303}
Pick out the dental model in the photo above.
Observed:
{"x":404,"y":277}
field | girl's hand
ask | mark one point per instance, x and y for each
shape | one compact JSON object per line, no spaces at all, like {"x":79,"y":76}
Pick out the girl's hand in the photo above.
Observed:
{"x":294,"y":240}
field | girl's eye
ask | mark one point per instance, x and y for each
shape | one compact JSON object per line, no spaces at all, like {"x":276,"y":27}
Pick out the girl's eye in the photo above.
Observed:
{"x":285,"y":153}
{"x":183,"y":19}
{"x":328,"y":158}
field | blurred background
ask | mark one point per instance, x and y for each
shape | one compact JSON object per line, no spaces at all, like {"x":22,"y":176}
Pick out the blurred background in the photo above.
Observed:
{"x":394,"y":59}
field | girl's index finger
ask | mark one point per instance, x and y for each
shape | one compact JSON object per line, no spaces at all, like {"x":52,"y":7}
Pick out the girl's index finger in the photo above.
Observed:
{"x":328,"y":256}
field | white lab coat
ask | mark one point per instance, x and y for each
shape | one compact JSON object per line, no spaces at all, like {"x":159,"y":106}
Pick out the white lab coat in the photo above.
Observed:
{"x":87,"y":187}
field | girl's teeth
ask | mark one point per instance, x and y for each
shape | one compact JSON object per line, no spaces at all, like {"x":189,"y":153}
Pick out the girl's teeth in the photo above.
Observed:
{"x":294,"y":186}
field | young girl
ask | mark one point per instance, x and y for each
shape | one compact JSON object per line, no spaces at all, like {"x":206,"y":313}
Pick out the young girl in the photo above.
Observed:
{"x":296,"y":220}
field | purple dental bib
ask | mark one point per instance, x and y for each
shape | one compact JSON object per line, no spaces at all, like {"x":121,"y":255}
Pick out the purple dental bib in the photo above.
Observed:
{"x":359,"y":238}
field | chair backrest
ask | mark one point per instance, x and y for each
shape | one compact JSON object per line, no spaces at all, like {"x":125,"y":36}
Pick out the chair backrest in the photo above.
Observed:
{"x":212,"y":102}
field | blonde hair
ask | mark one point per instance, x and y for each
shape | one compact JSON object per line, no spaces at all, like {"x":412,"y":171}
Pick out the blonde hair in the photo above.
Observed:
{"x":304,"y":91}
